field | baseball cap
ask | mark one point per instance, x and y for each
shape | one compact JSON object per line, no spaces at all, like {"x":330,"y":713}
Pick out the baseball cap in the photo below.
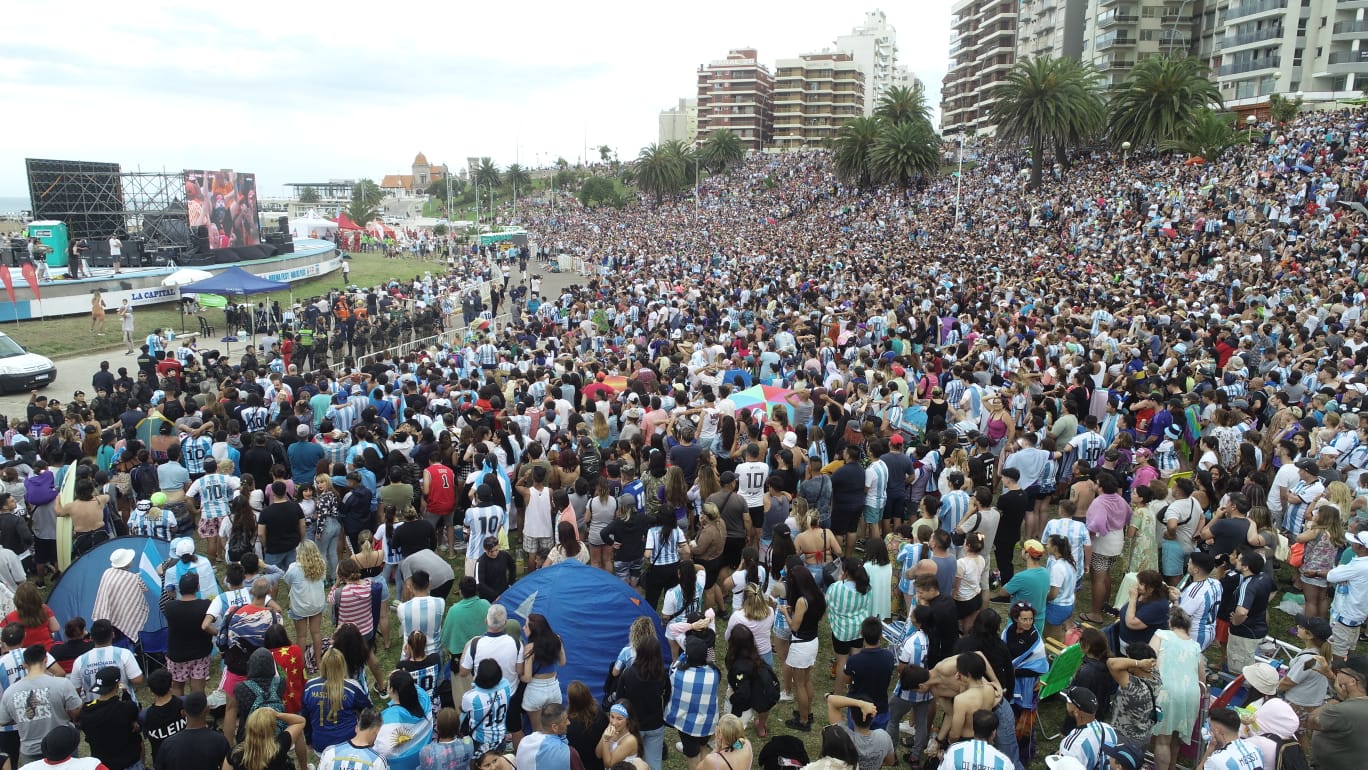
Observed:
{"x":1316,"y":626}
{"x":107,"y":680}
{"x":1357,"y":538}
{"x":726,"y":478}
{"x":1033,"y":547}
{"x":1355,"y":663}
{"x":60,"y":743}
{"x":1082,"y":699}
{"x":1173,"y":432}
{"x":1126,"y":754}
{"x":185,"y":546}
{"x":895,"y":440}
{"x":1329,"y":451}
{"x":1309,"y":466}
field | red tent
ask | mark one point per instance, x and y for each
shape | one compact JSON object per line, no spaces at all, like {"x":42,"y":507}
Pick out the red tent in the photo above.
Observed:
{"x":345,"y":222}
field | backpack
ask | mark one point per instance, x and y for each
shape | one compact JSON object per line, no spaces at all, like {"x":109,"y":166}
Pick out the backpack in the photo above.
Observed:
{"x":590,"y":459}
{"x":764,"y":689}
{"x":268,"y":699}
{"x":1289,"y":753}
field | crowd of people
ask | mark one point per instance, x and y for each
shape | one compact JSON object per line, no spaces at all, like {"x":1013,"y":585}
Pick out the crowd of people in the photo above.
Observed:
{"x":896,"y":434}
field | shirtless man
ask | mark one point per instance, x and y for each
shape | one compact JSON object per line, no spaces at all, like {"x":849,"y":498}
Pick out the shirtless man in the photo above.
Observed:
{"x":962,"y":684}
{"x":87,"y":517}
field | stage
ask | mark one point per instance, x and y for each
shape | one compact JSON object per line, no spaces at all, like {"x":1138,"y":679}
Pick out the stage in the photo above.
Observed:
{"x":142,"y":286}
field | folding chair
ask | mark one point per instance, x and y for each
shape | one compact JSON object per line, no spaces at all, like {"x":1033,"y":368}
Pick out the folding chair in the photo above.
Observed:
{"x":1057,"y":680}
{"x":206,"y":329}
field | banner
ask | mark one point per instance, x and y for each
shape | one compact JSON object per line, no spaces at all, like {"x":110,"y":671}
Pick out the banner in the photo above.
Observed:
{"x":31,"y":276}
{"x":8,"y":280}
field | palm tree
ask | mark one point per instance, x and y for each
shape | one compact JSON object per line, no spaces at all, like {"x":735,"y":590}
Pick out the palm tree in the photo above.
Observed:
{"x":1048,"y":103}
{"x":901,"y":104}
{"x":659,"y":171}
{"x":722,"y":150}
{"x":518,"y":178}
{"x":308,"y":195}
{"x":367,"y":192}
{"x":903,"y":152}
{"x":1283,"y":110}
{"x":361,"y":212}
{"x":1208,"y":135}
{"x":687,"y":157}
{"x":487,"y":174}
{"x":854,"y":140}
{"x":1160,"y":98}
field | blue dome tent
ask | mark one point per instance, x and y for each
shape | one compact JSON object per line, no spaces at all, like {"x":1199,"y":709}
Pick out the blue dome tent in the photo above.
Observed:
{"x":74,"y":593}
{"x":590,"y":609}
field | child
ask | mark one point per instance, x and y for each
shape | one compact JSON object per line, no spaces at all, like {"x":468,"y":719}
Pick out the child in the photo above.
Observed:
{"x":449,"y":750}
{"x":907,"y":695}
{"x":1166,"y":454}
{"x":909,"y":554}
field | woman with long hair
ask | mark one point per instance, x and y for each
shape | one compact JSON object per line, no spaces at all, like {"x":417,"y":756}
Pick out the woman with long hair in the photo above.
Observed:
{"x":1092,"y":672}
{"x":568,"y":545}
{"x":664,"y":542}
{"x":426,"y":669}
{"x":646,"y":684}
{"x":241,"y":526}
{"x":405,"y":724}
{"x":682,"y":601}
{"x":1138,"y":687}
{"x":1182,"y":669}
{"x":838,"y":749}
{"x":325,"y":528}
{"x":40,"y":625}
{"x":586,"y":723}
{"x":1322,"y":540}
{"x":598,"y":514}
{"x":733,"y":750}
{"x":674,"y":495}
{"x":803,"y":612}
{"x":749,"y":572}
{"x":543,"y":655}
{"x":847,"y":604}
{"x":748,"y":676}
{"x":756,"y":613}
{"x":707,"y":549}
{"x":263,"y":747}
{"x":879,"y":567}
{"x":1063,"y":580}
{"x":620,"y":741}
{"x":332,"y":701}
{"x":308,"y":599}
{"x":370,"y":564}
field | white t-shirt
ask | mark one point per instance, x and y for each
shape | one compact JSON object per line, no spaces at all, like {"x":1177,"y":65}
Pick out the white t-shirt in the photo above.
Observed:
{"x":501,"y":647}
{"x":750,"y":478}
{"x":1063,"y":576}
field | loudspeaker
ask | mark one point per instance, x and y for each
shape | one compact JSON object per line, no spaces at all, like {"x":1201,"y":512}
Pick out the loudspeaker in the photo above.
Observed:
{"x":285,"y":247}
{"x":283,"y":224}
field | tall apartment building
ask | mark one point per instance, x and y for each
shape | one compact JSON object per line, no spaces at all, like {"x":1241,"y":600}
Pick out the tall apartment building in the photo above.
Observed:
{"x":874,"y":47}
{"x":1121,"y":32}
{"x":814,"y":95}
{"x":737,"y":93}
{"x":680,"y":123}
{"x":1318,"y":48}
{"x":982,"y":50}
{"x":1051,"y":28}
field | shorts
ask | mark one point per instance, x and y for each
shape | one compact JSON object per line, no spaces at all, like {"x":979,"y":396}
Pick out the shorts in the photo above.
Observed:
{"x":1172,"y":558}
{"x":541,"y":692}
{"x":626,"y":569}
{"x":44,"y":550}
{"x":873,"y":515}
{"x":802,"y":655}
{"x":190,"y":669}
{"x":895,"y":509}
{"x":231,"y":681}
{"x":692,"y":744}
{"x":439,"y":521}
{"x":1102,"y":564}
{"x":514,"y":722}
{"x":843,"y":522}
{"x":1222,"y":631}
{"x":843,"y":648}
{"x":711,"y":568}
{"x":1034,"y":492}
{"x":967,"y":607}
{"x":1343,"y":639}
{"x":731,"y":551}
{"x":208,"y":527}
{"x":532,"y":545}
{"x":757,"y":516}
{"x":1058,"y":614}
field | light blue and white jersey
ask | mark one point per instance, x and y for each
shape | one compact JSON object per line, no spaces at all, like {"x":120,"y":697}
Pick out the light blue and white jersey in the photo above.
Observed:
{"x":488,"y":710}
{"x":215,"y":492}
{"x":912,"y":652}
{"x":423,"y":613}
{"x":1200,"y":600}
{"x":1085,"y":744}
{"x":1237,"y":755}
{"x":974,"y":755}
{"x":85,"y":668}
{"x":953,"y":508}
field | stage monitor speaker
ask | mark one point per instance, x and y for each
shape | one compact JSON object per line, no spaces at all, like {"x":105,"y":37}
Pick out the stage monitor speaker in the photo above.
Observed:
{"x":285,"y":247}
{"x":283,"y":224}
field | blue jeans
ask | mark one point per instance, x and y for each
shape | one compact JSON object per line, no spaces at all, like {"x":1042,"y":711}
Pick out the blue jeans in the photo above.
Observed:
{"x":327,"y":543}
{"x":281,"y":560}
{"x":1006,"y":740}
{"x":653,"y":745}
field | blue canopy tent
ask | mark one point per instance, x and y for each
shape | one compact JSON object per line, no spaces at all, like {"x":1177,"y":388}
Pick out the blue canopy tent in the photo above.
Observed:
{"x":590,"y":609}
{"x":74,"y":593}
{"x":235,"y":281}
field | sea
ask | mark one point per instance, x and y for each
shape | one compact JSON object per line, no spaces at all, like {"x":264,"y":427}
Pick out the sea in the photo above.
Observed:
{"x":14,"y":204}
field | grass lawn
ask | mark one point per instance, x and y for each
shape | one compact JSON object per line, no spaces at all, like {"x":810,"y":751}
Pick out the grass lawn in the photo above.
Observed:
{"x":71,"y":335}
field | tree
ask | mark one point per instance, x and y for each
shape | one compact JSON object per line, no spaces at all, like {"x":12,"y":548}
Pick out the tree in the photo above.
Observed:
{"x":901,"y":104}
{"x":597,"y":190}
{"x":309,"y":195}
{"x":487,"y":174}
{"x":517,"y":177}
{"x":722,"y":150}
{"x":659,"y":170}
{"x":854,"y":140}
{"x":903,"y":152}
{"x":686,"y":157}
{"x":1208,"y":135}
{"x":1282,"y":109}
{"x":562,"y":163}
{"x":1160,"y":98}
{"x":605,"y":152}
{"x":564,"y":179}
{"x":361,"y":212}
{"x":439,"y":230}
{"x":367,"y":192}
{"x":1048,"y":103}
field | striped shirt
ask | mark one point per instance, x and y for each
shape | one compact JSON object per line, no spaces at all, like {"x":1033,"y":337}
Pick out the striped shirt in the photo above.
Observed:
{"x":1076,"y":532}
{"x":347,"y":756}
{"x":912,"y":652}
{"x":85,"y":668}
{"x":488,"y":710}
{"x":664,"y":551}
{"x":1237,"y":755}
{"x":142,"y":522}
{"x":974,"y":755}
{"x":953,"y":508}
{"x":1085,"y":744}
{"x":693,"y":706}
{"x":215,"y":492}
{"x":1166,"y":457}
{"x":423,"y":613}
{"x":194,"y":451}
{"x":354,"y":605}
{"x":1307,"y":492}
{"x":1200,"y":600}
{"x":846,"y":610}
{"x":876,"y":485}
{"x":1089,"y":446}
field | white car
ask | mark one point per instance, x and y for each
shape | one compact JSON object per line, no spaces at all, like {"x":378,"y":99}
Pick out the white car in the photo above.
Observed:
{"x":21,"y":370}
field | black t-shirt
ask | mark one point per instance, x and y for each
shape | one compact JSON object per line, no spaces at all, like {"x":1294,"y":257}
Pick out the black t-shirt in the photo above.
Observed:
{"x":942,"y":631}
{"x":1228,"y":534}
{"x":1013,"y":505}
{"x":185,"y":641}
{"x":686,"y":457}
{"x":1230,"y":584}
{"x":282,"y":526}
{"x":495,"y":574}
{"x":281,"y":761}
{"x":1253,"y":593}
{"x":111,"y":729}
{"x":196,"y":748}
{"x":161,"y":722}
{"x":414,"y":536}
{"x":899,"y":466}
{"x":995,"y":650}
{"x":847,"y":488}
{"x":871,"y":670}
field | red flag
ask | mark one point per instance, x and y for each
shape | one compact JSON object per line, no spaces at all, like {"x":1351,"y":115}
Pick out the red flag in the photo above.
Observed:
{"x":31,"y":275}
{"x":8,"y":280}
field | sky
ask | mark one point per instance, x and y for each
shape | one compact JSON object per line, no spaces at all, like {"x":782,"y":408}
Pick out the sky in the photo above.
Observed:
{"x":302,"y":92}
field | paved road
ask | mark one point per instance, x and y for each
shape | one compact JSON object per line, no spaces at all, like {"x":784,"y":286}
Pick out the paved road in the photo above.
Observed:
{"x":74,"y":373}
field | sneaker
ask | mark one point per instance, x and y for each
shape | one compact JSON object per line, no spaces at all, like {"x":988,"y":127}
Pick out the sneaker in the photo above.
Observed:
{"x":785,"y":697}
{"x":679,"y":746}
{"x":795,"y":723}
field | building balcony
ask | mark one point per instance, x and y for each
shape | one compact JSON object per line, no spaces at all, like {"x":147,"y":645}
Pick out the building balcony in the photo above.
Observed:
{"x":1254,"y":36}
{"x":1243,"y":67}
{"x":1253,"y":8}
{"x":1105,"y":63}
{"x":1114,"y":40}
{"x":1349,"y":30}
{"x":1117,"y":16}
{"x":1347,"y":57}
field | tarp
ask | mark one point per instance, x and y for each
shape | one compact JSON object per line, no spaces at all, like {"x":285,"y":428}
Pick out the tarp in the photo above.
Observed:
{"x":74,"y":593}
{"x":312,"y":227}
{"x":235,"y":280}
{"x":590,"y":609}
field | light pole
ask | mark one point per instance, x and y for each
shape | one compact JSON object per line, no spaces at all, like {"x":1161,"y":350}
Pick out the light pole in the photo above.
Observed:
{"x":1125,"y":154}
{"x":1250,"y":121}
{"x":1025,"y":177}
{"x":696,"y":181}
{"x":959,"y":181}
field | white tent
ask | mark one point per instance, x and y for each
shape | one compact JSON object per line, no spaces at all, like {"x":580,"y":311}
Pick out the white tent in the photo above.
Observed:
{"x":311,"y":225}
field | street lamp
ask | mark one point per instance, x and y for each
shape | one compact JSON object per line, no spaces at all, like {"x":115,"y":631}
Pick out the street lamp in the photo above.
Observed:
{"x":1025,"y":177}
{"x":1250,"y":121}
{"x":1125,"y":154}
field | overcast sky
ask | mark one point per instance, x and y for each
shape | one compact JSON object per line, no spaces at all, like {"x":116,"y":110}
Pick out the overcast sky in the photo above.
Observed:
{"x":299,"y":92}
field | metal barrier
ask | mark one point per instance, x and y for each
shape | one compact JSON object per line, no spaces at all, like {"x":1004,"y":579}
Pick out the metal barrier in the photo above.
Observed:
{"x":404,"y":348}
